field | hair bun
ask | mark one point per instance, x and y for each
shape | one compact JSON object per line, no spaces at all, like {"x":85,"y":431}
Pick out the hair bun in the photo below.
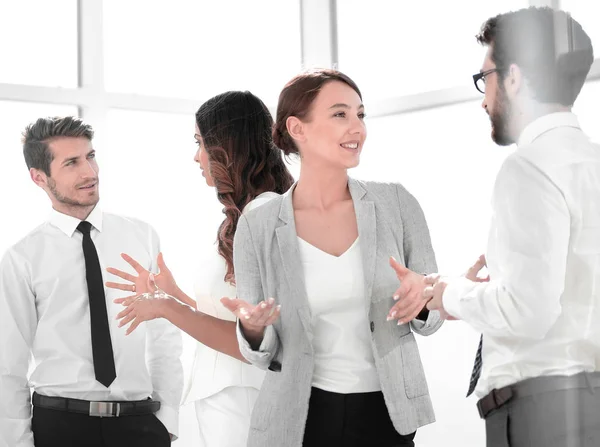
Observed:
{"x":284,"y":141}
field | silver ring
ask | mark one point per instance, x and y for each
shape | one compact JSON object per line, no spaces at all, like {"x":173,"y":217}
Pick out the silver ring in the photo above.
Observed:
{"x":133,"y":288}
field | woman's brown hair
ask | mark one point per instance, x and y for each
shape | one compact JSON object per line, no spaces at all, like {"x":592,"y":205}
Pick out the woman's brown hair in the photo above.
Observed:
{"x":296,"y":98}
{"x":236,"y":132}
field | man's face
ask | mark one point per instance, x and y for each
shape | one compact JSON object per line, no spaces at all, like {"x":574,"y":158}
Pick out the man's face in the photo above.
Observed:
{"x":73,"y":180}
{"x":497,"y":104}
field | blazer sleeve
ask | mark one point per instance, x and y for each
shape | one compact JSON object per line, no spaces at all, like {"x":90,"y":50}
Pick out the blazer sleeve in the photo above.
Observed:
{"x":249,"y":288}
{"x":418,"y":253}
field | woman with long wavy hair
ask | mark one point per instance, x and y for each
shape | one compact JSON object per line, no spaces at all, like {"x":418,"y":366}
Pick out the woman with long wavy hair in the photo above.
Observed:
{"x":237,"y":158}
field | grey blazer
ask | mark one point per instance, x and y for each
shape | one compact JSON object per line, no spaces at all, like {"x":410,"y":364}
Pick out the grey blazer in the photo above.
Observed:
{"x":268,"y":264}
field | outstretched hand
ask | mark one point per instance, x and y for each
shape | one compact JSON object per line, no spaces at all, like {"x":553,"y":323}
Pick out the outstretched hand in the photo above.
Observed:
{"x":436,"y":285}
{"x":164,"y":280}
{"x":143,"y":307}
{"x":254,"y":319}
{"x":409,"y":296}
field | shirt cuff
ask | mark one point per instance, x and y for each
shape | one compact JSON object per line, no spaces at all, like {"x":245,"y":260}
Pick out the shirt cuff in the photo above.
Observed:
{"x":455,"y":290}
{"x":169,"y":417}
{"x":261,"y":357}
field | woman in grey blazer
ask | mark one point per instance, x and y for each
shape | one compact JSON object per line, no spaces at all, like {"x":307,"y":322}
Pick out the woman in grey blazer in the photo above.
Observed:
{"x":315,"y":289}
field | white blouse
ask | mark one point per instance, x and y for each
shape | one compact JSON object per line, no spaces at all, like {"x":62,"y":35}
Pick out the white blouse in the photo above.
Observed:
{"x":212,"y":370}
{"x":335,"y":288}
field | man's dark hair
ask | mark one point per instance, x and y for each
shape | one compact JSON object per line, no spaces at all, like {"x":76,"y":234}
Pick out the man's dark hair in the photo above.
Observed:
{"x":551,"y":49}
{"x":38,"y":135}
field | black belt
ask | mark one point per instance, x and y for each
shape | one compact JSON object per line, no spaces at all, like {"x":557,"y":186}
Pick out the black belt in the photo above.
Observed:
{"x":498,"y":397}
{"x":97,"y":409}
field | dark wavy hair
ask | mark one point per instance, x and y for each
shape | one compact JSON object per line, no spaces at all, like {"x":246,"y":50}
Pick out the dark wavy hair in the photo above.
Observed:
{"x":236,"y":131}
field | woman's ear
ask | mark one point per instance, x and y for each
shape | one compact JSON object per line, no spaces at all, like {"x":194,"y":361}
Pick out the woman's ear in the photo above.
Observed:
{"x":295,"y":128}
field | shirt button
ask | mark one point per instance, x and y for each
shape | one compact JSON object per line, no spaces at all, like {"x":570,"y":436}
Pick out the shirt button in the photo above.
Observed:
{"x":372,"y":327}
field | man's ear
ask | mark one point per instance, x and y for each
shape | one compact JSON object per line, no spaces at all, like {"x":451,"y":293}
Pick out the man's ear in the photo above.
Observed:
{"x":513,"y":81}
{"x":38,"y":177}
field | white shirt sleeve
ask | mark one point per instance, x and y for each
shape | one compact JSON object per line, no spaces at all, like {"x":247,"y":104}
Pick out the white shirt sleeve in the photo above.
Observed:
{"x":164,"y":349}
{"x":530,"y":239}
{"x":18,"y":323}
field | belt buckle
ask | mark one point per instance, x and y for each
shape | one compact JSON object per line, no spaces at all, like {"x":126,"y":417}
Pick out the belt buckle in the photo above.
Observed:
{"x":105,"y":409}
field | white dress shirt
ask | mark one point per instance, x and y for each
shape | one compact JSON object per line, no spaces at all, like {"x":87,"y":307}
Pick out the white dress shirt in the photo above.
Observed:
{"x":212,"y":370}
{"x":335,"y":287}
{"x":540,"y":312}
{"x":45,"y":324}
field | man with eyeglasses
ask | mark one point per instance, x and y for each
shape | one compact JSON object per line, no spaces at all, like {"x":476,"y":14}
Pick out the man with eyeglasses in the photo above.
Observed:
{"x":536,"y":369}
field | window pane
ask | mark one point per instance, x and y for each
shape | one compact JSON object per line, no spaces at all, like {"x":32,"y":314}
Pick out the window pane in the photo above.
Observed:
{"x":148,"y":171}
{"x":25,"y":204}
{"x":445,"y":157}
{"x":192,"y":49}
{"x":39,"y":42}
{"x":393,"y":48}
{"x":587,"y":108}
{"x":586,"y":12}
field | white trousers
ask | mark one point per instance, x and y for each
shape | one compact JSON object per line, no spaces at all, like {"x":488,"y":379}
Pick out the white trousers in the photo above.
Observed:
{"x":224,"y":417}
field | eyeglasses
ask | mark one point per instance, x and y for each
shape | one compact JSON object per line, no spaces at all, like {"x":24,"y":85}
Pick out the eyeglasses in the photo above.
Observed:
{"x":479,"y":78}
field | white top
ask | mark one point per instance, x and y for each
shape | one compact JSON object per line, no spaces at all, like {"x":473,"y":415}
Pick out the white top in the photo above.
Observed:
{"x":539,"y":315}
{"x":212,"y":370}
{"x":44,"y":311}
{"x":335,"y":287}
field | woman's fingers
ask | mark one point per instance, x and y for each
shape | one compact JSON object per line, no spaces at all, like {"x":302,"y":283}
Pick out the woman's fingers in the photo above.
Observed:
{"x":121,"y":274}
{"x":117,"y":285}
{"x":133,"y":326}
{"x":126,"y":300}
{"x":127,"y":319}
{"x":124,"y":312}
{"x":133,"y":263}
{"x":261,"y":313}
{"x":274,"y":316}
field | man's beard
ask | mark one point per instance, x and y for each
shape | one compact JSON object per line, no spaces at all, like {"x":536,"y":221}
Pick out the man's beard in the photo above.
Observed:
{"x":67,"y":200}
{"x":501,"y":117}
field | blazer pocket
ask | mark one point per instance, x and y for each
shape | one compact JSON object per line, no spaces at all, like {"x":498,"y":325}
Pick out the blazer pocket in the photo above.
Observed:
{"x":415,"y":383}
{"x":267,"y":400}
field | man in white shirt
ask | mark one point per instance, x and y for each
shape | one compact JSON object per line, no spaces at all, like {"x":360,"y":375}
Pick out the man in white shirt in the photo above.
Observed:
{"x":92,"y":385}
{"x":536,"y":372}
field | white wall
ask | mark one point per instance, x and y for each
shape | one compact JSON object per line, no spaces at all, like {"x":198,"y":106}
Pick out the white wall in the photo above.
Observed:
{"x":444,"y":156}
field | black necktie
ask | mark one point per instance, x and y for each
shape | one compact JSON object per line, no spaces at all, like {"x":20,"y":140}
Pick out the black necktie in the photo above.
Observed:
{"x":104,"y":362}
{"x":476,"y":369}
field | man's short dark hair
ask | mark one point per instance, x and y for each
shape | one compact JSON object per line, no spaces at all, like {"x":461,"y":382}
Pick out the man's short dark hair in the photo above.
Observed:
{"x":552,"y":50}
{"x":38,"y":135}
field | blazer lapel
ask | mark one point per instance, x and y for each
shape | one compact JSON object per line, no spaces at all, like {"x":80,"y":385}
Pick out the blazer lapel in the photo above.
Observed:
{"x":287,"y":239}
{"x":367,"y":232}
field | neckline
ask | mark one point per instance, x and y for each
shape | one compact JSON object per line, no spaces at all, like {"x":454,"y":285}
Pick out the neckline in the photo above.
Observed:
{"x":348,"y":250}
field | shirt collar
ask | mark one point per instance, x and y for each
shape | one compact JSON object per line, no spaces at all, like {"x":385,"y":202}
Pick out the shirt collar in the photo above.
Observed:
{"x":545,"y":123}
{"x":68,"y":224}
